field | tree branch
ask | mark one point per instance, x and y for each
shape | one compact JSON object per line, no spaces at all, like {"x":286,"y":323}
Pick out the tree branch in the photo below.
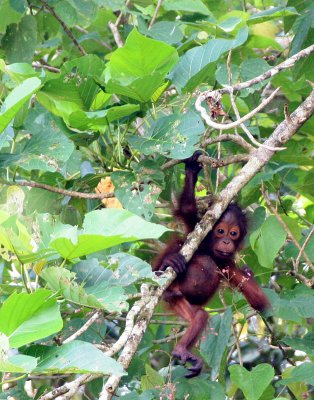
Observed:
{"x":64,"y":26}
{"x":64,"y":192}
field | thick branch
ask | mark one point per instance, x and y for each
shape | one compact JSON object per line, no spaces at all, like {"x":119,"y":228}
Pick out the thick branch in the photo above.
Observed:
{"x":229,"y":137}
{"x":258,"y":159}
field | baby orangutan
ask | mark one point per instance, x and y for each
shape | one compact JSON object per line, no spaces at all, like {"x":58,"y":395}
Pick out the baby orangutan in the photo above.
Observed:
{"x":198,"y":280}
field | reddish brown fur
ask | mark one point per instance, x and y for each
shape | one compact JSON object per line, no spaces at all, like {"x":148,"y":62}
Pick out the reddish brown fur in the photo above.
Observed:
{"x":198,"y":280}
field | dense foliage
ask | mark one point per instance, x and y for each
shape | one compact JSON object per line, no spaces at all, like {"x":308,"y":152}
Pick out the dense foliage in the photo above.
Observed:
{"x":97,"y":96}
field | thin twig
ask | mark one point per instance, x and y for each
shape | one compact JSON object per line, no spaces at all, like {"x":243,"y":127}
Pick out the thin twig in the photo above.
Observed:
{"x":159,"y":3}
{"x":229,"y":137}
{"x":121,"y":14}
{"x":169,"y":338}
{"x":88,"y":323}
{"x":36,"y":64}
{"x":64,"y":192}
{"x":301,"y":252}
{"x":64,"y":26}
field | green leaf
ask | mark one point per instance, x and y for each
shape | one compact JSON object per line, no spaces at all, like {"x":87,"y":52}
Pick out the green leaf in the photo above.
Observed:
{"x":82,"y":72}
{"x":303,"y":373}
{"x":272,"y":13}
{"x":111,"y":298}
{"x":305,"y":344}
{"x":29,"y":317}
{"x":18,"y":364}
{"x":141,"y":201}
{"x":99,"y":120}
{"x":301,"y":27}
{"x":14,"y":235}
{"x":229,"y":24}
{"x":77,"y":12}
{"x":18,"y":71}
{"x":267,"y":241}
{"x":10,"y":14}
{"x":74,"y":357}
{"x":103,"y":229}
{"x":61,"y":97}
{"x":166,"y":31}
{"x":193,"y":6}
{"x":125,"y":269}
{"x":193,"y":67}
{"x":152,"y":379}
{"x":16,"y":99}
{"x":199,"y":389}
{"x":293,"y":305}
{"x":215,"y":339}
{"x":174,"y":136}
{"x":20,"y":40}
{"x":263,"y":42}
{"x":251,"y":68}
{"x":252,"y":383}
{"x":139,"y":68}
{"x":46,"y":148}
{"x":130,"y":268}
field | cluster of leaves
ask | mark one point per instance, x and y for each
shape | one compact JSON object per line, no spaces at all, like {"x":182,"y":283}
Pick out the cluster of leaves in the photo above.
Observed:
{"x":75,"y":108}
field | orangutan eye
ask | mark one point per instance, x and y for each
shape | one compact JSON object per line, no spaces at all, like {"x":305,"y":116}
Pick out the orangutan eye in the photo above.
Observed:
{"x":234,"y":233}
{"x":220,"y":231}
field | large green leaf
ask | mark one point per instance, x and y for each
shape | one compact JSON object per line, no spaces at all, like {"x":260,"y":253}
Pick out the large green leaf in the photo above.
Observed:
{"x":81,"y":12}
{"x":303,"y":373}
{"x":305,"y":344}
{"x":252,"y":383}
{"x":83,"y":71}
{"x":10,"y":13}
{"x":25,"y":318}
{"x":20,"y":40}
{"x":103,"y":229}
{"x":272,"y":13}
{"x":74,"y":357}
{"x":125,"y":269}
{"x":109,"y":297}
{"x":174,"y":136}
{"x":166,"y":31}
{"x":216,"y":339}
{"x":18,"y":71}
{"x":193,"y":67}
{"x":199,"y":389}
{"x":61,"y":97}
{"x":141,"y":201}
{"x":249,"y":69}
{"x":99,"y":120}
{"x":139,"y":68}
{"x":293,"y":305}
{"x":267,"y":241}
{"x":46,"y":148}
{"x":16,"y":99}
{"x":17,"y":363}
